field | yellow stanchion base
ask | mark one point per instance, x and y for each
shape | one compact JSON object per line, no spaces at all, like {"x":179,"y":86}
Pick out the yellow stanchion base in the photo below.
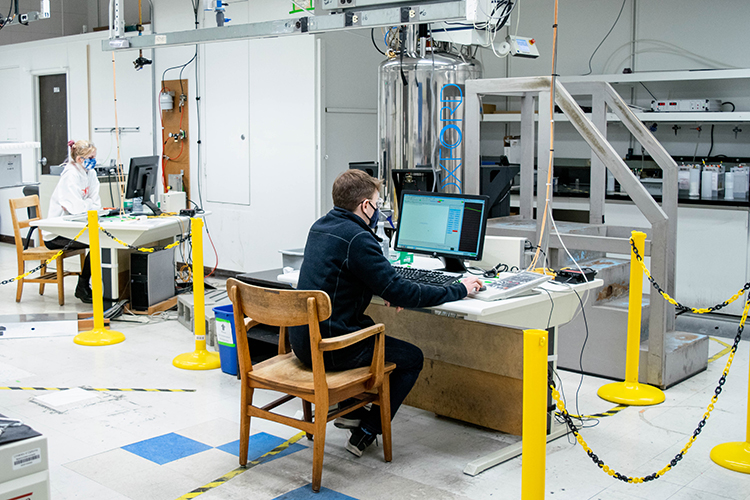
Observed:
{"x":733,"y":456}
{"x":634,"y":394}
{"x":99,"y":336}
{"x":198,"y":360}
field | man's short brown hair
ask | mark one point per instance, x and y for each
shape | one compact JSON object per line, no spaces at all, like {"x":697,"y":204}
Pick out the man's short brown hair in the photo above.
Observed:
{"x":352,"y":187}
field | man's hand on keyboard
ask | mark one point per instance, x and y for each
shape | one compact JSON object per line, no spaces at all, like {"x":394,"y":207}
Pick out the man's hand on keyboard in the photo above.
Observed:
{"x":472,"y":283}
{"x":398,"y":308}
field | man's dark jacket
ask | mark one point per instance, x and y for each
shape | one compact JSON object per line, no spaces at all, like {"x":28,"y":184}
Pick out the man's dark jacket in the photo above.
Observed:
{"x":343,"y":258}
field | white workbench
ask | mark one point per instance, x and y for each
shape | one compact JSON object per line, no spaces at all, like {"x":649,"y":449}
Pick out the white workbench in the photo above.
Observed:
{"x":115,"y":257}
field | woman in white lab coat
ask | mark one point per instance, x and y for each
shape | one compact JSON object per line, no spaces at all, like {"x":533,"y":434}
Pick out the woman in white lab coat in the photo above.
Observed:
{"x":76,"y":193}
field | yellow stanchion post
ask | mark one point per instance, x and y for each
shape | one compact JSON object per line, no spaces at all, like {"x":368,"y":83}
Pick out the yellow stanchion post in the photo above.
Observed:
{"x":735,"y":456}
{"x":534,"y":438}
{"x":99,"y":335}
{"x":631,"y":392}
{"x":200,"y":359}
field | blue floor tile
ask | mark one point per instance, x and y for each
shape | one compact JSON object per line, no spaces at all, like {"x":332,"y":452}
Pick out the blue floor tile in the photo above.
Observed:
{"x":166,"y":448}
{"x":260,"y":444}
{"x":306,"y":492}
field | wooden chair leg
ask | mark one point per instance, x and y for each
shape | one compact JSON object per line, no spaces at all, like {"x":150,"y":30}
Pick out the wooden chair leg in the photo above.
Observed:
{"x":307,"y":411}
{"x":384,"y":401}
{"x":245,"y":401}
{"x":60,"y":275}
{"x":319,"y":443}
{"x":83,"y":261}
{"x":19,"y":289}
{"x":42,"y":272}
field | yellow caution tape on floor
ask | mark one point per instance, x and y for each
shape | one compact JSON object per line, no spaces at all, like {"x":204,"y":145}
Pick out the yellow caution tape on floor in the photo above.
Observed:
{"x":726,"y":350}
{"x":100,"y":389}
{"x":239,"y":470}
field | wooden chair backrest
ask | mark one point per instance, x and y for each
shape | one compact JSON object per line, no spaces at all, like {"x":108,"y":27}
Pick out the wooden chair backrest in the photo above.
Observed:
{"x":16,"y":204}
{"x":282,"y":308}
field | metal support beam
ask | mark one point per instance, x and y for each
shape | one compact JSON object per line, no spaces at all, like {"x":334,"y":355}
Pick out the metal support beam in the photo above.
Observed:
{"x":527,"y":156}
{"x":423,"y":13}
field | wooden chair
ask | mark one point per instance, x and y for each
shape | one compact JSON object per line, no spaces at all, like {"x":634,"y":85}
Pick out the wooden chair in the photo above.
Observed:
{"x":40,"y":253}
{"x":285,"y":373}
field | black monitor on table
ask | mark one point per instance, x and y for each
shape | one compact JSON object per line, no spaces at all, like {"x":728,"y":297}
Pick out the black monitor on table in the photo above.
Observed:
{"x":142,"y":180}
{"x":449,"y":226}
{"x":371,"y":168}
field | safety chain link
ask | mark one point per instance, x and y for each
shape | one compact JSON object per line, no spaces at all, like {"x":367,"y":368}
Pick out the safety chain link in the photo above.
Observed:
{"x":672,"y":301}
{"x":37,"y":268}
{"x":143,"y":249}
{"x":722,"y":380}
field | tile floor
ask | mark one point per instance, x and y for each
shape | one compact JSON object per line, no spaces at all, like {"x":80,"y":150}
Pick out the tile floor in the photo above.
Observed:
{"x":163,"y":445}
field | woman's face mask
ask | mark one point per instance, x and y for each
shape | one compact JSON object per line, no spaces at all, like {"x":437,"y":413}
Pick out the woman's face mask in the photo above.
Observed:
{"x":89,"y":163}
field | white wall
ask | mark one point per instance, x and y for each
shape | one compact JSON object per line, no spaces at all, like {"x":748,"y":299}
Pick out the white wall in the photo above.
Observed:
{"x":350,"y":77}
{"x":79,"y":57}
{"x":266,"y":91}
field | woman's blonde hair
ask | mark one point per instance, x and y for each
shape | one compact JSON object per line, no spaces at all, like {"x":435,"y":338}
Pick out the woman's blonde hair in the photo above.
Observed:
{"x":81,"y":148}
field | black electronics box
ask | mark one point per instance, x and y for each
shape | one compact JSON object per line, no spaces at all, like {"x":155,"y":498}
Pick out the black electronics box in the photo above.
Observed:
{"x":575,"y":276}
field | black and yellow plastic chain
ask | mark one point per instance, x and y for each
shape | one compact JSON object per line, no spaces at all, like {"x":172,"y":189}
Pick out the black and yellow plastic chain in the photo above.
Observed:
{"x":722,"y":380}
{"x":144,"y":249}
{"x":672,"y":301}
{"x":43,"y":264}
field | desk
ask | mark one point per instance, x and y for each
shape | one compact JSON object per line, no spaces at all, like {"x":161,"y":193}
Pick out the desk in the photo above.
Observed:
{"x":116,"y":258}
{"x":473,"y":369}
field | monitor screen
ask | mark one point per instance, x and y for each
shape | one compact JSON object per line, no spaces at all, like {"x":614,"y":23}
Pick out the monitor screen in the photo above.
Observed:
{"x":142,"y":177}
{"x":451,"y":226}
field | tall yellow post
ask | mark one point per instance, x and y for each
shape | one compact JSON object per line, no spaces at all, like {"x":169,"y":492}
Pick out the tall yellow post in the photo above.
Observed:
{"x":735,"y":456}
{"x":631,"y":392}
{"x":99,"y":335}
{"x":534,"y":438}
{"x":200,"y":359}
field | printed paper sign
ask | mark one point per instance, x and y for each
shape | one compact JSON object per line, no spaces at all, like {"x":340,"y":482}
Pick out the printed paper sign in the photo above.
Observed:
{"x":224,"y":333}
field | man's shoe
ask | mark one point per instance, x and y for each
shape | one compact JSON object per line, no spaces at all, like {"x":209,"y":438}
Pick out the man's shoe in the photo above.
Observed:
{"x":351,"y":420}
{"x":359,"y":440}
{"x":83,"y":292}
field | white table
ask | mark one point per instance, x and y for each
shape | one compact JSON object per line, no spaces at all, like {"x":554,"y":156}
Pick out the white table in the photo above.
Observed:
{"x":541,"y":310}
{"x":115,"y":257}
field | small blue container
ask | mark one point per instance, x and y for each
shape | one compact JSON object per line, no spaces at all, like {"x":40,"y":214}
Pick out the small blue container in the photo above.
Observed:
{"x":227,"y":338}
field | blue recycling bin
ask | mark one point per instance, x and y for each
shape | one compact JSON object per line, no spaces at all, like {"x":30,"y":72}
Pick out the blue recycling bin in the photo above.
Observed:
{"x":226,"y":338}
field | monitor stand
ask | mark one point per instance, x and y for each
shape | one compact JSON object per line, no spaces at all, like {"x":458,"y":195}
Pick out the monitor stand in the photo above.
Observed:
{"x":155,"y":209}
{"x":138,"y":205}
{"x":453,"y":265}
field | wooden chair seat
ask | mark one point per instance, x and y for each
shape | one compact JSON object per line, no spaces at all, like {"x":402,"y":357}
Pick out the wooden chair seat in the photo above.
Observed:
{"x":40,"y":253}
{"x":287,"y":373}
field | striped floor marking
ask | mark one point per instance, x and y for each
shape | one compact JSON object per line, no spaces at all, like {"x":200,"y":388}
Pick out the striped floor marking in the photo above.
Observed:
{"x":239,"y":470}
{"x":726,"y":350}
{"x":614,"y":411}
{"x":99,"y":389}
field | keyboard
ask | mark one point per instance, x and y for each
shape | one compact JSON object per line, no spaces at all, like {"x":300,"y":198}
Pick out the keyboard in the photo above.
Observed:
{"x":508,"y":285}
{"x":425,"y":277}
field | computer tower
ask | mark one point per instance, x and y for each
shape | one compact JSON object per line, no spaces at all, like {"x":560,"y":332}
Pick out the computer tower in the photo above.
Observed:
{"x":151,"y":278}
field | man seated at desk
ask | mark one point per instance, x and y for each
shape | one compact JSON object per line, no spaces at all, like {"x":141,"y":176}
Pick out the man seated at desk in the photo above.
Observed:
{"x":77,"y":192}
{"x":343,"y":258}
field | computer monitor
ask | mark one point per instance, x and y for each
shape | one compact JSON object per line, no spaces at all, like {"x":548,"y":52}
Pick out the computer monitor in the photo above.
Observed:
{"x":369,"y":167}
{"x":449,"y":226}
{"x":142,"y":180}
